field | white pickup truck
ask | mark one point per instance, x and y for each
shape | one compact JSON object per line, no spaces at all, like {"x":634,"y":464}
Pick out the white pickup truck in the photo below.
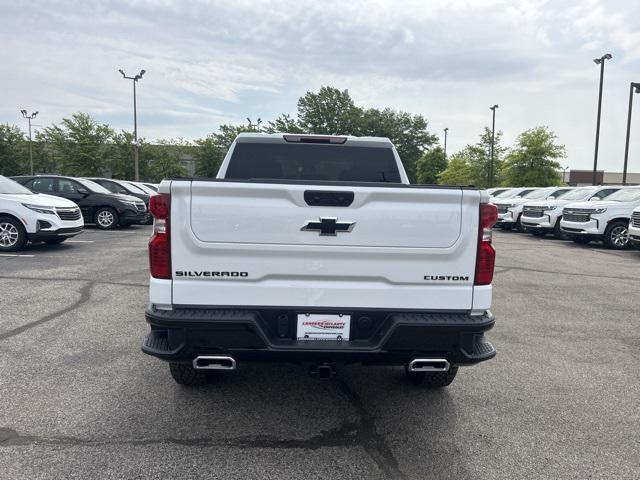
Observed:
{"x":316,"y":250}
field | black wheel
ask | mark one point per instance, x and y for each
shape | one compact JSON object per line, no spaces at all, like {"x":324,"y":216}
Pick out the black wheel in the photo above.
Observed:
{"x":581,"y":240}
{"x":616,"y":235}
{"x":185,"y":374}
{"x":106,"y":218}
{"x":54,"y":241}
{"x":433,"y":379}
{"x":13,"y":236}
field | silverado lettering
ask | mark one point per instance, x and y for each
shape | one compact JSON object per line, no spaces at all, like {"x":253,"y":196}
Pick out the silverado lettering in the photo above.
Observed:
{"x":184,"y":273}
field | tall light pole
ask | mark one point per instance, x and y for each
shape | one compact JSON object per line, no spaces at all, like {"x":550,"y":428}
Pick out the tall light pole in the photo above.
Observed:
{"x":29,"y":118}
{"x":445,"y":142}
{"x":634,"y":87}
{"x":599,"y":61}
{"x":493,"y":140}
{"x":135,"y":122}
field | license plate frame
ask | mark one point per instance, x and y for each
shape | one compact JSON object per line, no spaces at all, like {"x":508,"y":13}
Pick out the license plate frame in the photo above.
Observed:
{"x":321,"y":327}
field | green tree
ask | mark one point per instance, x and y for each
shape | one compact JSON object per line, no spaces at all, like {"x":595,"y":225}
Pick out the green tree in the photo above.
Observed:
{"x":430,"y":165}
{"x":121,"y":156}
{"x":83,"y":145}
{"x":45,"y":156}
{"x":14,"y":154}
{"x":165,"y":159}
{"x":534,"y":160}
{"x":479,"y":157}
{"x":284,"y":124}
{"x":214,"y":147}
{"x":458,"y":171}
{"x":209,"y":156}
{"x":407,"y":132}
{"x":328,"y":112}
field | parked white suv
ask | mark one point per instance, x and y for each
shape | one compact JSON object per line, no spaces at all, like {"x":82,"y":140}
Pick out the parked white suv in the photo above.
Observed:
{"x":607,"y":220}
{"x":510,"y":209}
{"x":543,"y":216}
{"x":34,"y":217}
{"x":634,"y":227}
{"x":509,"y":193}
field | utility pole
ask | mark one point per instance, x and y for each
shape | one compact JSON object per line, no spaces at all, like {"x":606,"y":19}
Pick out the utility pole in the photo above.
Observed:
{"x":493,"y":140}
{"x":29,"y":118}
{"x":634,"y":87}
{"x":445,"y":142}
{"x":135,"y":123}
{"x":599,"y":61}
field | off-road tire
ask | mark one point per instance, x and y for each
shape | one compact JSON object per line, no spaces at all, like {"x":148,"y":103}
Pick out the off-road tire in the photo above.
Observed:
{"x":433,"y":379}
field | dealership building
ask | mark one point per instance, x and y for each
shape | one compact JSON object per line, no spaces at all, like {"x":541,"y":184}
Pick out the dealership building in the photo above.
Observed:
{"x":582,"y":178}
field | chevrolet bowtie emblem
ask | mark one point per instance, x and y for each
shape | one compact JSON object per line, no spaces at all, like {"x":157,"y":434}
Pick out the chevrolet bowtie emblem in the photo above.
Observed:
{"x":328,"y":226}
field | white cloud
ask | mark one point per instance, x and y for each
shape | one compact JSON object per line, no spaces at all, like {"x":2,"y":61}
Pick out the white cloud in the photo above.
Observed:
{"x":210,"y":62}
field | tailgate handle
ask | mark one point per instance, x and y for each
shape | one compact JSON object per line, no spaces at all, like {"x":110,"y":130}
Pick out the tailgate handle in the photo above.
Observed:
{"x":323,"y":198}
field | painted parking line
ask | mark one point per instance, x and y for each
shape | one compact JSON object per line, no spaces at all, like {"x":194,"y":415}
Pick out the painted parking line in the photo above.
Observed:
{"x":79,"y":241}
{"x":14,"y":255}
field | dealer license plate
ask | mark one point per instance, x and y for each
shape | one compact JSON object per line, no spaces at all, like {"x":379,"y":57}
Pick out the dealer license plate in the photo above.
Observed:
{"x":314,"y":326}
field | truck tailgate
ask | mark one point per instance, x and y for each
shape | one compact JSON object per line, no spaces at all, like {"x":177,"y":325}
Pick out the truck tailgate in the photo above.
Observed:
{"x":269,"y":244}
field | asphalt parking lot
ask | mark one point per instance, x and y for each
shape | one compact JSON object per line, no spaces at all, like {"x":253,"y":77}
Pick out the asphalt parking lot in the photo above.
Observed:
{"x":79,"y":400}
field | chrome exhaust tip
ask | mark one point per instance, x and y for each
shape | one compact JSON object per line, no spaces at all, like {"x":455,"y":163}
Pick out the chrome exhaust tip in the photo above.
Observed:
{"x":428,"y":365}
{"x":207,"y":362}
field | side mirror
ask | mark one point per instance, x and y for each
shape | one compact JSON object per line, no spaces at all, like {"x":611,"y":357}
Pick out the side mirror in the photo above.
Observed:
{"x":551,"y":198}
{"x":594,"y":199}
{"x":82,"y":191}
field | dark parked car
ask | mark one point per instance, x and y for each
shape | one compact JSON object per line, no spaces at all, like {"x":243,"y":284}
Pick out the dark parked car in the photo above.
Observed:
{"x":98,"y":205}
{"x":119,"y":186}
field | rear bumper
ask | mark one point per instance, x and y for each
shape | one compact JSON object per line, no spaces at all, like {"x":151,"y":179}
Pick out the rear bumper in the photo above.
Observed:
{"x":181,"y":334}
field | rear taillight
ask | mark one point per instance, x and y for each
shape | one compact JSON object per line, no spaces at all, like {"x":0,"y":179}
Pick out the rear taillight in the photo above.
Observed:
{"x":160,"y":242}
{"x":486,"y":254}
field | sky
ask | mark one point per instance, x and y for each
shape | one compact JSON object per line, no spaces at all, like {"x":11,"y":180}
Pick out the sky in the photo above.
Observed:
{"x":214,"y":62}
